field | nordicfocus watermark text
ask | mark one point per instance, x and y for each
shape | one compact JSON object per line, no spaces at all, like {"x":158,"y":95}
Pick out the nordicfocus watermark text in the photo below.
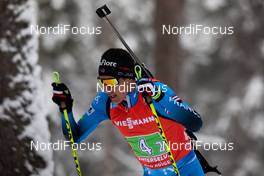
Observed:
{"x":195,"y":29}
{"x":63,"y":145}
{"x":124,"y":87}
{"x":62,"y":29}
{"x":207,"y":146}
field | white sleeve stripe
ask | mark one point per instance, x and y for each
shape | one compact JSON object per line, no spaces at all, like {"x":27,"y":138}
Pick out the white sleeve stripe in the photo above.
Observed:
{"x":57,"y":92}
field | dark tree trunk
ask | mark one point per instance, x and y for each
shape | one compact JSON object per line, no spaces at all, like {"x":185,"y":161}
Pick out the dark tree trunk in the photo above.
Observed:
{"x":168,"y":51}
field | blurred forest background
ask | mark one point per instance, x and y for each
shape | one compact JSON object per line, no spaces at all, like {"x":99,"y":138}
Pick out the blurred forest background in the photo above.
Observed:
{"x":221,"y":76}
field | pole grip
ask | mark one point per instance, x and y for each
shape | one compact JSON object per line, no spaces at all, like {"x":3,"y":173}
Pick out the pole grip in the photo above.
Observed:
{"x":103,"y":11}
{"x":56,"y":77}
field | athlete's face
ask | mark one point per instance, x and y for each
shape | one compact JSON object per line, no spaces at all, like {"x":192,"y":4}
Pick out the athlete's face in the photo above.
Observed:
{"x":117,"y":89}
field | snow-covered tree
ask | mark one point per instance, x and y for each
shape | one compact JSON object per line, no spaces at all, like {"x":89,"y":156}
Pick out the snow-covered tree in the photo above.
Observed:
{"x":22,"y":112}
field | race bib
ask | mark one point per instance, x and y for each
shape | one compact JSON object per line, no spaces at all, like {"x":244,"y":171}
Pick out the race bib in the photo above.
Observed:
{"x":150,"y":150}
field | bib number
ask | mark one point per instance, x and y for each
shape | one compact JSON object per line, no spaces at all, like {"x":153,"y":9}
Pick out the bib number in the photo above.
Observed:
{"x":147,"y":145}
{"x":144,"y":148}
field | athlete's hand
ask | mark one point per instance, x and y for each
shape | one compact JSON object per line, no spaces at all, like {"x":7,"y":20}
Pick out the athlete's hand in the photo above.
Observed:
{"x":146,"y":85}
{"x":62,"y":96}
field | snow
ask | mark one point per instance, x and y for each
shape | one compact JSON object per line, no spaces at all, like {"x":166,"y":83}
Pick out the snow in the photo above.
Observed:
{"x":131,"y":41}
{"x":257,"y":126}
{"x":205,"y":138}
{"x":250,"y":164}
{"x":199,"y":43}
{"x":254,"y":93}
{"x":57,"y":4}
{"x":7,"y":103}
{"x":213,"y":5}
{"x":149,"y":35}
{"x":232,"y":108}
{"x":60,"y":170}
{"x":67,"y":61}
{"x":132,"y":10}
{"x":247,"y":108}
{"x":6,"y":46}
{"x":51,"y":41}
{"x":28,"y":166}
{"x":126,"y":159}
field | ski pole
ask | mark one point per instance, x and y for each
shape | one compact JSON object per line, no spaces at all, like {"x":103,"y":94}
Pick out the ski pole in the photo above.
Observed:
{"x":56,"y":79}
{"x":154,"y":112}
{"x":102,"y":12}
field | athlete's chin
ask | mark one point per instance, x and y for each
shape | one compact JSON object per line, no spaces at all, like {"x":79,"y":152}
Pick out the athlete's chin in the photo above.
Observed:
{"x":115,"y":99}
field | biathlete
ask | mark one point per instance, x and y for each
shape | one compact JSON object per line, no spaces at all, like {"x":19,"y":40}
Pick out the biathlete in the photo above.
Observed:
{"x":123,"y":102}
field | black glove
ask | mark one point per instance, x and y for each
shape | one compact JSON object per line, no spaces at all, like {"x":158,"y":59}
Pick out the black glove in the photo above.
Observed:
{"x":146,"y":85}
{"x":62,"y":96}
